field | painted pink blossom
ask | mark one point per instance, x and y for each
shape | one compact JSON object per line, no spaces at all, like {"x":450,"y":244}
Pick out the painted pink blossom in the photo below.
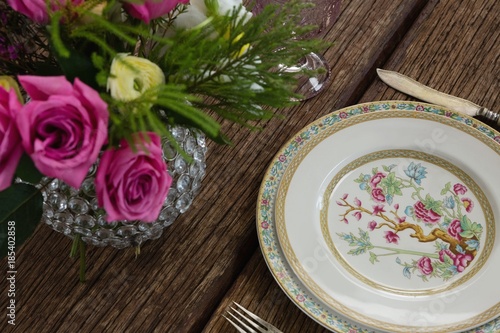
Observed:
{"x":459,"y":189}
{"x":10,"y":140}
{"x":461,"y":261}
{"x":446,"y":252}
{"x":396,"y":206}
{"x":378,"y":195}
{"x":425,"y":266}
{"x":357,"y":202}
{"x":426,"y":215}
{"x":454,"y":229}
{"x":468,"y":204}
{"x":346,"y":221}
{"x":401,"y":219}
{"x":345,"y":196}
{"x":378,"y":209}
{"x":391,"y":237}
{"x":372,"y":225}
{"x":264,"y":225}
{"x":300,"y":298}
{"x":357,"y":215}
{"x":376,"y":178}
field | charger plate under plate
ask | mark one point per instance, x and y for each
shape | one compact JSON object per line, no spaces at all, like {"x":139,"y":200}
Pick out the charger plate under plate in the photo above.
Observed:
{"x":380,"y":217}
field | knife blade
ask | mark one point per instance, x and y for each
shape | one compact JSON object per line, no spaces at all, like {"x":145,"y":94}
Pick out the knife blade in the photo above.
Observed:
{"x":416,"y":89}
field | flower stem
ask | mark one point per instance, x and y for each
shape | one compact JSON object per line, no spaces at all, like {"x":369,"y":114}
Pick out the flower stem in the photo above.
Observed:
{"x":74,"y":246}
{"x":79,"y":245}
{"x":83,"y":265}
{"x":401,"y":251}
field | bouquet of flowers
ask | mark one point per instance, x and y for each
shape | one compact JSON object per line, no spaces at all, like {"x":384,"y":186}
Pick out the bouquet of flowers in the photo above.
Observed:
{"x":87,"y":82}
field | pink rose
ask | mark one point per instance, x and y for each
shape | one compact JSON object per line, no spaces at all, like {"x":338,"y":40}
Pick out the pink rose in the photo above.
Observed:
{"x":454,"y":229}
{"x":10,"y":141}
{"x":426,"y":215}
{"x":459,"y":189}
{"x":424,"y":265}
{"x":150,"y":9}
{"x":132,"y":183}
{"x":37,"y":9}
{"x":391,"y":237}
{"x":376,"y":179}
{"x":63,"y":127}
{"x":378,"y":195}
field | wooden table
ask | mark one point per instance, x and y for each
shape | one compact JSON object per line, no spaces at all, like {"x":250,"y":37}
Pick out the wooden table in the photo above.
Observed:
{"x":210,"y":256}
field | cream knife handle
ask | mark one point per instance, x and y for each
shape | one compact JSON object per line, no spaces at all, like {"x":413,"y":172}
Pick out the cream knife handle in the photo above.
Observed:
{"x":416,"y":89}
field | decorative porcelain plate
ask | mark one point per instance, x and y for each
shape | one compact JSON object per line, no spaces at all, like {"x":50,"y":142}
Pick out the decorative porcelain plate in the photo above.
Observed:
{"x":381,"y":218}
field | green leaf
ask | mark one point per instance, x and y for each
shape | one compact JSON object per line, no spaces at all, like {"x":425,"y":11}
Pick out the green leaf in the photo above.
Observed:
{"x":446,"y":188}
{"x":392,"y":184}
{"x":435,"y":205}
{"x":373,"y":258}
{"x":27,"y":171}
{"x":20,"y":213}
{"x":470,"y":229}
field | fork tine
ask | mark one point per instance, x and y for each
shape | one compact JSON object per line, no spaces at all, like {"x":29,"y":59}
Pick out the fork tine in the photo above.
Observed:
{"x":253,"y":316}
{"x":235,"y":325}
{"x":242,"y":323}
{"x":255,"y":327}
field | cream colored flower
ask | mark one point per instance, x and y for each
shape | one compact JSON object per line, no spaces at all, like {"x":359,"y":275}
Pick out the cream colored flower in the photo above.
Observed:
{"x":96,"y":9}
{"x":131,"y":76}
{"x":197,"y":12}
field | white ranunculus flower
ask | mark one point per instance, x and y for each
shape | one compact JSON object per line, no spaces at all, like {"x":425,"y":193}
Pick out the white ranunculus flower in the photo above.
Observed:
{"x":131,"y":76}
{"x":197,"y":12}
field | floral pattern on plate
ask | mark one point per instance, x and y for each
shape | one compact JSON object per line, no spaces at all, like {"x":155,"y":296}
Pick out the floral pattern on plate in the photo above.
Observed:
{"x":443,"y":221}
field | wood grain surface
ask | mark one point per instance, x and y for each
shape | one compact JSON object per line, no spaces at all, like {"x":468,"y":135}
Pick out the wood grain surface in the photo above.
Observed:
{"x":210,"y":256}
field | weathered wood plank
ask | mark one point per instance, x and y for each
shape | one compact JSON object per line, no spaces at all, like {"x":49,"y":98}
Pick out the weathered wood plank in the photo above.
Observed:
{"x":454,"y":48}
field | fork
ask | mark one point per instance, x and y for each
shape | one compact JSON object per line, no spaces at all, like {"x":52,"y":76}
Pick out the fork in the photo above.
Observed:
{"x":247,"y":322}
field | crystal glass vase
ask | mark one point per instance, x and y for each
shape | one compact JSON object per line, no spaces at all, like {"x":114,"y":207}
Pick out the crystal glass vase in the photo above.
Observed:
{"x":75,"y":211}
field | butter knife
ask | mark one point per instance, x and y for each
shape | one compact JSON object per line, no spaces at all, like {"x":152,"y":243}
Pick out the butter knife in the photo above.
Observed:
{"x":413,"y":88}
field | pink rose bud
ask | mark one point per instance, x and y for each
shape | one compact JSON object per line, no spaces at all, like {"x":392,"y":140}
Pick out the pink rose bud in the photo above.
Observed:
{"x":10,"y":140}
{"x":150,"y":9}
{"x":37,"y":9}
{"x":63,"y":127}
{"x":132,"y":183}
